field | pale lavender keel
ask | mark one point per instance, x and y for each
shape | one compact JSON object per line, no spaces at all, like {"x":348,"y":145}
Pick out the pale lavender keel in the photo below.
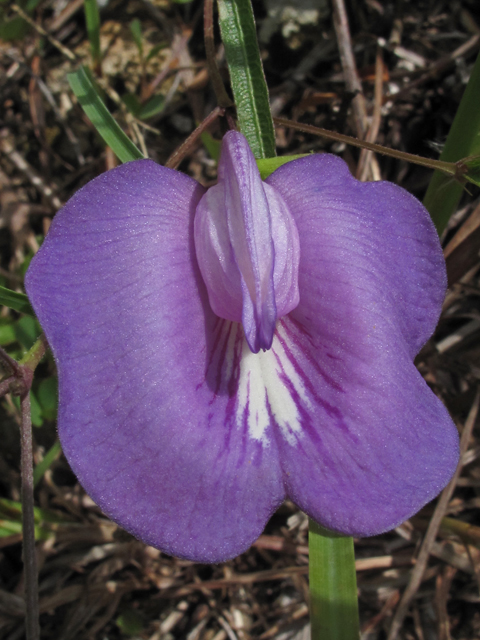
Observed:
{"x":247,"y":246}
{"x":176,"y":421}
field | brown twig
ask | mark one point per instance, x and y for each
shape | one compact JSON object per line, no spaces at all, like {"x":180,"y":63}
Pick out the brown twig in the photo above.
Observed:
{"x":442,"y":589}
{"x":56,"y":43}
{"x":64,"y":16}
{"x":352,"y":81}
{"x":215,"y":78}
{"x":436,"y":68}
{"x":433,"y":527}
{"x":179,"y":42}
{"x":29,"y":172}
{"x":51,"y":101}
{"x":449,"y":168}
{"x":365,"y":155}
{"x":184,"y":149}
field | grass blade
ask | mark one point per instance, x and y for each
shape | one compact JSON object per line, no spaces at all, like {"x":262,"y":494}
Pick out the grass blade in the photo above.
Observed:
{"x":48,"y":459}
{"x":17,"y":301}
{"x":463,"y":141}
{"x":101,"y":118}
{"x":92,"y":18}
{"x":250,"y":92}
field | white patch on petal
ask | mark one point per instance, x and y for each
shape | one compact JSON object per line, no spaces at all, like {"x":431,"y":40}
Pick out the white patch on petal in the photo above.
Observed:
{"x":265,"y":390}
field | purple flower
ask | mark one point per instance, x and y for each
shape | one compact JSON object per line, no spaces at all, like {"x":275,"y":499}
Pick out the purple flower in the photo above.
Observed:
{"x":220,"y":350}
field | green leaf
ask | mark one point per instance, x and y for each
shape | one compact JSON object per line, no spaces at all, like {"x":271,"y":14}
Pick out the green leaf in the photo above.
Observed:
{"x":130,"y":622}
{"x":47,"y":394}
{"x":48,"y":459}
{"x":472,"y":166}
{"x":143,"y":111}
{"x":17,"y":301}
{"x":211,"y":145}
{"x":27,"y":331}
{"x":14,"y":28}
{"x":136,"y":29}
{"x":35,"y":410}
{"x":266,"y":166}
{"x":156,"y":49}
{"x":152,"y":107}
{"x":92,"y":18}
{"x":9,"y":528}
{"x":101,"y":118}
{"x":132,"y":103}
{"x":46,"y":522}
{"x":237,"y":26}
{"x":463,"y":141}
{"x":333,"y":585}
{"x":31,"y":5}
{"x":7,"y":333}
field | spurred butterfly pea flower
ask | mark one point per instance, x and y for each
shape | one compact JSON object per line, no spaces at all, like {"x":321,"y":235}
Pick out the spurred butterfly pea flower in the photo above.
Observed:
{"x":220,"y":350}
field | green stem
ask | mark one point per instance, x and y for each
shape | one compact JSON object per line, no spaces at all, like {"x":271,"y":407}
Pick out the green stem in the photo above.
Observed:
{"x":333,"y":585}
{"x":463,"y":141}
{"x":34,"y":355}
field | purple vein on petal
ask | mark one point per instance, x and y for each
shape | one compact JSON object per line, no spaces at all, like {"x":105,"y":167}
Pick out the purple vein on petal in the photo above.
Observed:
{"x":266,"y":390}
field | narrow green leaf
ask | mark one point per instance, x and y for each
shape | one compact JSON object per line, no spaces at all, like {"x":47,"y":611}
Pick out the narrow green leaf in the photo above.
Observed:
{"x":13,"y":29}
{"x":156,"y":49}
{"x":35,"y":411}
{"x":31,"y":5}
{"x":266,"y":166}
{"x":463,"y":141}
{"x":17,"y":301}
{"x":130,"y":621}
{"x":132,"y":103}
{"x":101,"y":118}
{"x":12,"y":510}
{"x":48,"y":459}
{"x":211,"y":145}
{"x":92,"y":18}
{"x":47,"y":394}
{"x":333,"y":585}
{"x":9,"y":528}
{"x":7,"y":333}
{"x":472,"y":165}
{"x":27,"y":331}
{"x":136,"y":29}
{"x":152,"y":107}
{"x":237,"y":26}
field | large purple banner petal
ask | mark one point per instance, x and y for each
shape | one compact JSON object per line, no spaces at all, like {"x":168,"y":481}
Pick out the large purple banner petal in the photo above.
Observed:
{"x":144,"y":421}
{"x":370,"y":443}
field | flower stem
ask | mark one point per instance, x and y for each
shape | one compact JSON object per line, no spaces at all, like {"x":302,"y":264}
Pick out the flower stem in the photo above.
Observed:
{"x":18,"y":383}
{"x":28,"y":524}
{"x":179,"y":154}
{"x":333,"y":585}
